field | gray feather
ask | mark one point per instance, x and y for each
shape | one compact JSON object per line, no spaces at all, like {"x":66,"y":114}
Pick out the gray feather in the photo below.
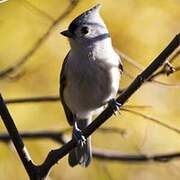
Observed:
{"x":63,"y":83}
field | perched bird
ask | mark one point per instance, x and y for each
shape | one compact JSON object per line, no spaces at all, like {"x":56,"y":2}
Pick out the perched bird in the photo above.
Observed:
{"x":89,"y":78}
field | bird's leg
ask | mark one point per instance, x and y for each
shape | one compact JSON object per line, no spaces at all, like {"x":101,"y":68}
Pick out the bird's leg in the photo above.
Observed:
{"x":114,"y":105}
{"x":77,"y":133}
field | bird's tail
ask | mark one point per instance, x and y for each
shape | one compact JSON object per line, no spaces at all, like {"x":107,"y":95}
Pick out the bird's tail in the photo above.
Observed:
{"x":81,"y":154}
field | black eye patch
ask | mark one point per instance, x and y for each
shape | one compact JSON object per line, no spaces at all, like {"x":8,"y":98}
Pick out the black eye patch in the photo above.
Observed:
{"x":84,"y":30}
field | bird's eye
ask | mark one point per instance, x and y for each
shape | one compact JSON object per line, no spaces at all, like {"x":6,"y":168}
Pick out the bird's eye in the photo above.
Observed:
{"x":84,"y":30}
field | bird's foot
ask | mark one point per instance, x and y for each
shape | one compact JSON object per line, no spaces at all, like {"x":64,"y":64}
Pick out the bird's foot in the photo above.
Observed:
{"x":114,"y":105}
{"x":79,"y":137}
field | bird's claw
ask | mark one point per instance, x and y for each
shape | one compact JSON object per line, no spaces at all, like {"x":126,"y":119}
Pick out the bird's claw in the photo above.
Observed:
{"x":114,"y":105}
{"x":80,"y":138}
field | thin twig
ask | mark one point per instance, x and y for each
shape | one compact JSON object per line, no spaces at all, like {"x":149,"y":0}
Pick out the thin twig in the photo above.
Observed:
{"x":58,"y":136}
{"x":49,"y":99}
{"x":116,"y":156}
{"x":97,"y":153}
{"x":33,"y":100}
{"x":168,"y":85}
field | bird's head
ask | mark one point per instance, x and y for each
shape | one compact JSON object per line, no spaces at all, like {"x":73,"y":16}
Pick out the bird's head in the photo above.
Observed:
{"x":87,"y":28}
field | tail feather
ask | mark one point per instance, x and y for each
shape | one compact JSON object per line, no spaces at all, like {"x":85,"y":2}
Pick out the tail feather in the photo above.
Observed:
{"x":81,"y":154}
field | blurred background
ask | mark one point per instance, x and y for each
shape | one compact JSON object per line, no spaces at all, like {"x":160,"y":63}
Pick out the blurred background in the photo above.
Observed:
{"x":30,"y":34}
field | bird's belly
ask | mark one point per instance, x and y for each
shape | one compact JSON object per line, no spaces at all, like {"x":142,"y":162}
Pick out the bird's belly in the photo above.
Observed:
{"x":91,"y":89}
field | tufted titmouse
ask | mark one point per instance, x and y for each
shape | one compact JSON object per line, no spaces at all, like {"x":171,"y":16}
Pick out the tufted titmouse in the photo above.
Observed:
{"x":89,"y":77}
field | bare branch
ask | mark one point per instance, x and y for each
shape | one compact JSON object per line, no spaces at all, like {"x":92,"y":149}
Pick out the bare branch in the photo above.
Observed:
{"x":50,"y":99}
{"x":116,"y":156}
{"x":33,"y":100}
{"x":58,"y":136}
{"x":39,"y":42}
{"x":16,"y":138}
{"x":100,"y":154}
{"x":136,"y":106}
{"x":168,"y":85}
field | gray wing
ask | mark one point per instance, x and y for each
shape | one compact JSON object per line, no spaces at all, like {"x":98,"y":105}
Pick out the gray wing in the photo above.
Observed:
{"x":63,"y":83}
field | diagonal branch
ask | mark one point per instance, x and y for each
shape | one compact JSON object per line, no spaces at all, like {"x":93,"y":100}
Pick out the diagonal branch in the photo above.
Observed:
{"x":55,"y":155}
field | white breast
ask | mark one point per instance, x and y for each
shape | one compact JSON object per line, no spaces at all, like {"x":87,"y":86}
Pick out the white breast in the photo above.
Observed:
{"x":90,"y":84}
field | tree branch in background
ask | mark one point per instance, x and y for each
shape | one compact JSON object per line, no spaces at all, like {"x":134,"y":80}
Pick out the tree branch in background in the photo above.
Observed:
{"x":100,"y":154}
{"x":4,"y":73}
{"x":33,"y":100}
{"x":58,"y":136}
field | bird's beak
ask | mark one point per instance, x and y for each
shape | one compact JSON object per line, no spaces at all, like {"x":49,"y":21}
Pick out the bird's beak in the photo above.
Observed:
{"x":67,"y":33}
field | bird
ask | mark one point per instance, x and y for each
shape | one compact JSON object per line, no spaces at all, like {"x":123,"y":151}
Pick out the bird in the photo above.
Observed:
{"x":89,"y":78}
